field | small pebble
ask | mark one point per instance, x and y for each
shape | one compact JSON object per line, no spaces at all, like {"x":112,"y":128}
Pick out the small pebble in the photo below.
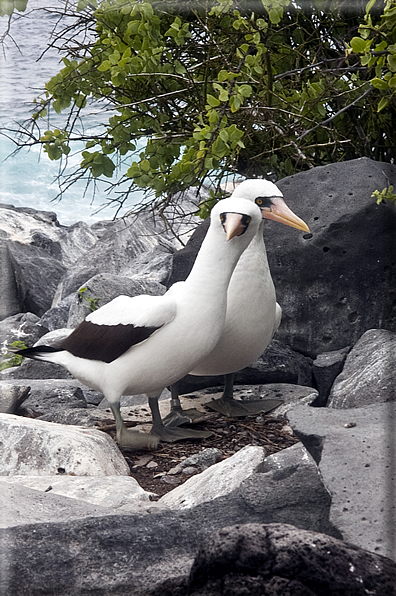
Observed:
{"x":170,"y":480}
{"x":350,"y":424}
{"x":189,"y":470}
{"x":152,"y":464}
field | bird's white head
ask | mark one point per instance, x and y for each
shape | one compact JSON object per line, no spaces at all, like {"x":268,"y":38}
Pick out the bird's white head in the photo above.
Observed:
{"x":269,"y":199}
{"x":237,"y":217}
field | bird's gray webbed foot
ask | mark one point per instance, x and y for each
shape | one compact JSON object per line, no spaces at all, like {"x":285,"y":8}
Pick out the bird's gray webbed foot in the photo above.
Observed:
{"x":131,"y":439}
{"x":234,"y":408}
{"x":135,"y":440}
{"x":177,"y":416}
{"x":171,"y":435}
{"x":228,"y":406}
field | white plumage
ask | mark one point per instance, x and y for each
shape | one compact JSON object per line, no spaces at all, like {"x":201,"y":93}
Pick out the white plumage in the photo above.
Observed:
{"x":143,"y":344}
{"x":253,"y":315}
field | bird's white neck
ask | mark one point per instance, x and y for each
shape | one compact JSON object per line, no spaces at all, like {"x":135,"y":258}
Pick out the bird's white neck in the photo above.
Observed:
{"x":215,"y":263}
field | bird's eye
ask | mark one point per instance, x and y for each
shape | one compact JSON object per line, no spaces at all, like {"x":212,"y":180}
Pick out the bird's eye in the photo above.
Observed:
{"x":259,"y":201}
{"x":222,"y":217}
{"x":248,"y":220}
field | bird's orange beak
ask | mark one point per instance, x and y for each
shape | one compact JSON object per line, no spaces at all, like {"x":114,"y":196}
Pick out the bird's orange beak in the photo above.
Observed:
{"x":279,"y":211}
{"x":234,"y":224}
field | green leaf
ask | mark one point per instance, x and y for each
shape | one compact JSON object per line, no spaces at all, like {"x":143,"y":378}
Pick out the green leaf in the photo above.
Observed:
{"x":106,"y":65}
{"x":358,"y":45}
{"x":212,"y":101}
{"x":275,"y":15}
{"x":383,"y":103}
{"x":392,"y":82}
{"x":391,"y":59}
{"x":245,"y":90}
{"x":379,"y":84}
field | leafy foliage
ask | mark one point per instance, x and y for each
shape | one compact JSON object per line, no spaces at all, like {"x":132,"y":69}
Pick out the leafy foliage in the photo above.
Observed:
{"x":376,"y":45}
{"x":219,"y":88}
{"x":9,"y":360}
{"x":7,"y":7}
{"x":386,"y":194}
{"x":83,"y":294}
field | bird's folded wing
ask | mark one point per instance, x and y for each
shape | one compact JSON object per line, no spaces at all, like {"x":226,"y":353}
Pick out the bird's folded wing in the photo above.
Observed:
{"x":117,"y":326}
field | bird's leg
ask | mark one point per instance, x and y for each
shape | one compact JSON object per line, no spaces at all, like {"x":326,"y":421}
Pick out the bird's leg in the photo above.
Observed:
{"x":131,"y":439}
{"x":228,"y":391}
{"x":177,"y":416}
{"x":228,"y":406}
{"x":171,"y":435}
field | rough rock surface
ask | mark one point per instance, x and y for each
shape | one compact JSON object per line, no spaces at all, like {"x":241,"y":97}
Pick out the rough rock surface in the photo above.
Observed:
{"x":117,"y":247}
{"x":369,"y":374}
{"x":43,"y":400}
{"x":34,"y":447}
{"x":113,"y":492}
{"x":132,"y":553}
{"x":102,"y":288}
{"x":57,"y":316}
{"x":278,"y":364}
{"x":280,"y":560}
{"x":325,"y":368}
{"x":355,"y":452}
{"x":21,"y":327}
{"x":24,"y":506}
{"x":217,"y":481}
{"x":12,"y":397}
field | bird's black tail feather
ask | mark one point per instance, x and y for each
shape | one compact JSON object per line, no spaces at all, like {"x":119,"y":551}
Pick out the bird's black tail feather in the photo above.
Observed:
{"x":36,"y":353}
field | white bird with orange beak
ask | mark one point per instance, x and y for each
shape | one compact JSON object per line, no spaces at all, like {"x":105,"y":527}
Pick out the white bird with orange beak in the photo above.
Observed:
{"x":253,"y":315}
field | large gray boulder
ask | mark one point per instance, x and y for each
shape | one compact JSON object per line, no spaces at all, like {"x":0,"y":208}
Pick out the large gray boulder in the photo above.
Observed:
{"x":33,"y":244}
{"x":115,"y":251}
{"x":23,"y":327}
{"x":278,"y":364}
{"x":29,"y":262}
{"x":355,"y":452}
{"x":34,"y":447}
{"x":103,"y":288}
{"x":134,"y":553}
{"x":369,"y":374}
{"x":351,"y":241}
{"x":280,"y":560}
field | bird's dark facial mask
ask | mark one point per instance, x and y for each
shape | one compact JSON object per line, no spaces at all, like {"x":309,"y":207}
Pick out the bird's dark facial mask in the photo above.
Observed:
{"x":234,"y":224}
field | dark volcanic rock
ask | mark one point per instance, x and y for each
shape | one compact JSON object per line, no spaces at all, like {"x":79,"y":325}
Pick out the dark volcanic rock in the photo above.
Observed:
{"x":42,"y":401}
{"x":278,"y":364}
{"x":57,"y":316}
{"x":120,"y":244}
{"x":35,"y":369}
{"x":133,"y":553}
{"x":340,"y":281}
{"x":280,"y":560}
{"x":103,"y":288}
{"x":9,"y":304}
{"x":326,"y":368}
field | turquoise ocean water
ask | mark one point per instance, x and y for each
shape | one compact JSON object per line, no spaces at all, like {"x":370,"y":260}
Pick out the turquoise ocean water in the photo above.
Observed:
{"x":28,"y":179}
